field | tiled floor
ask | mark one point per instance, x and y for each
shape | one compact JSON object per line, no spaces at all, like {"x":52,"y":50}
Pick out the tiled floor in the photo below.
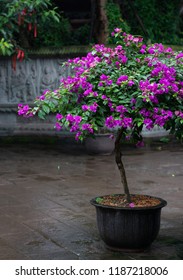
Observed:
{"x":45,"y":191}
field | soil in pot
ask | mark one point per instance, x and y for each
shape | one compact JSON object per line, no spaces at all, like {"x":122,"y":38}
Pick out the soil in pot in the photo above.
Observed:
{"x":125,"y":227}
{"x":118,"y":200}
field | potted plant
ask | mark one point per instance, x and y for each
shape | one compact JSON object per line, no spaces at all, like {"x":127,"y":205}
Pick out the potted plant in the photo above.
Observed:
{"x":123,"y":89}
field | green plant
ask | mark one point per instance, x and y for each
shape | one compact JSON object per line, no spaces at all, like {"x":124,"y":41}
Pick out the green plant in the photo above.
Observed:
{"x":6,"y":47}
{"x":20,"y":18}
{"x":80,"y":36}
{"x":160,"y":19}
{"x":125,"y":87}
{"x":53,"y":34}
{"x":115,"y":19}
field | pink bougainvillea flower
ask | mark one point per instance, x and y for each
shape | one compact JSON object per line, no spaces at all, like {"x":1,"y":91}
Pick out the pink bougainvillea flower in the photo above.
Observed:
{"x":131,"y":204}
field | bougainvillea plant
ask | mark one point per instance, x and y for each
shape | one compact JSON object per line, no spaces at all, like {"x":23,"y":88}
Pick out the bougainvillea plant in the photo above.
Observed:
{"x":122,"y":88}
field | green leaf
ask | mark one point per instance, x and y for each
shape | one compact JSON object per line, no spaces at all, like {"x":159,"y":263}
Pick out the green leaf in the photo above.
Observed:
{"x":99,"y":122}
{"x":99,"y":200}
{"x":46,"y":109}
{"x":51,"y":105}
{"x":139,"y":102}
{"x":139,"y":123}
{"x":164,"y":139}
{"x":116,"y":90}
{"x":41,"y":114}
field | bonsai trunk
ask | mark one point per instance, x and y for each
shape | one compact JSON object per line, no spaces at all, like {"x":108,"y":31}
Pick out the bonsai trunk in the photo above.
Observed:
{"x":118,"y":158}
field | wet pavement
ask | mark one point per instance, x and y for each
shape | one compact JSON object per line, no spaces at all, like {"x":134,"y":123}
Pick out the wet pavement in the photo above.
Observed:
{"x":45,"y":189}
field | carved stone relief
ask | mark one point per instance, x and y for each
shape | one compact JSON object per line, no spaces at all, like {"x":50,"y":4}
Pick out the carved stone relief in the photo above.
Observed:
{"x":30,"y":79}
{"x":3,"y":83}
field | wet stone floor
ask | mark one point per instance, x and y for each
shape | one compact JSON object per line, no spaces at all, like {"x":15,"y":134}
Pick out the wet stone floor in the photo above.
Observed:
{"x":45,"y":189}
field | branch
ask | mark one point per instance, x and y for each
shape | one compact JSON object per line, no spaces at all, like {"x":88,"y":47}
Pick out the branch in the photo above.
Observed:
{"x":118,"y":156}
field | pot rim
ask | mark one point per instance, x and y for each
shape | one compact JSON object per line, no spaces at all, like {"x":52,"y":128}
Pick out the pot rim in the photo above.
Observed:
{"x":162,"y":204}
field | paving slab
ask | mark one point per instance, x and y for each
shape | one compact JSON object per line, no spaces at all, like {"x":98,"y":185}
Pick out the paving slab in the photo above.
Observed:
{"x":45,"y":189}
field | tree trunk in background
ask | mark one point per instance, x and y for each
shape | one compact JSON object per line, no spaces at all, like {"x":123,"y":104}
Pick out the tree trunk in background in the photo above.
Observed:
{"x":181,"y":8}
{"x":101,"y":28}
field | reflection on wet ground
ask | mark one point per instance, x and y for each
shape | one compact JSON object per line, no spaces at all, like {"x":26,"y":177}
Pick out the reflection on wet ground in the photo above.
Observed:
{"x":45,"y":191}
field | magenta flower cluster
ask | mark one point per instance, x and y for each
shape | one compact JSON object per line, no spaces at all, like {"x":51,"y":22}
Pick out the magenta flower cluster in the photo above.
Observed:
{"x":130,"y":86}
{"x":24,"y":110}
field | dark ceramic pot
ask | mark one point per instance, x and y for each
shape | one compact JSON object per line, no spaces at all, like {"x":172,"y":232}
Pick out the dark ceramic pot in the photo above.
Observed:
{"x":128,"y":229}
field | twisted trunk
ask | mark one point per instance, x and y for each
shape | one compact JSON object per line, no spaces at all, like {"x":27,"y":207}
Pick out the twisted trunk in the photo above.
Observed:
{"x":118,"y":158}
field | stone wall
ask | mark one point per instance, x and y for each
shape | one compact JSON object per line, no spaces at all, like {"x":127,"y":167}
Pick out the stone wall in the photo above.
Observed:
{"x":29,"y":80}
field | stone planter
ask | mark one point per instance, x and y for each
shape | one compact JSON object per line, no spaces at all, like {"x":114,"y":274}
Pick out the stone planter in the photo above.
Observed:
{"x":101,"y":144}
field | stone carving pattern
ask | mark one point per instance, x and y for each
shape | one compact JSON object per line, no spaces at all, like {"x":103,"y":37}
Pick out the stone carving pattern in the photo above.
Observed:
{"x":3,"y":82}
{"x":29,"y":80}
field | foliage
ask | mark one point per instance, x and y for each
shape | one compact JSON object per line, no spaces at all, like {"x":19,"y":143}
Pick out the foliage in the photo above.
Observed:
{"x":53,"y":34}
{"x":114,"y":17}
{"x":125,"y":87}
{"x":34,"y":24}
{"x":21,"y":17}
{"x":128,"y":86}
{"x":80,"y":36}
{"x":160,"y":18}
{"x":6,"y":47}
